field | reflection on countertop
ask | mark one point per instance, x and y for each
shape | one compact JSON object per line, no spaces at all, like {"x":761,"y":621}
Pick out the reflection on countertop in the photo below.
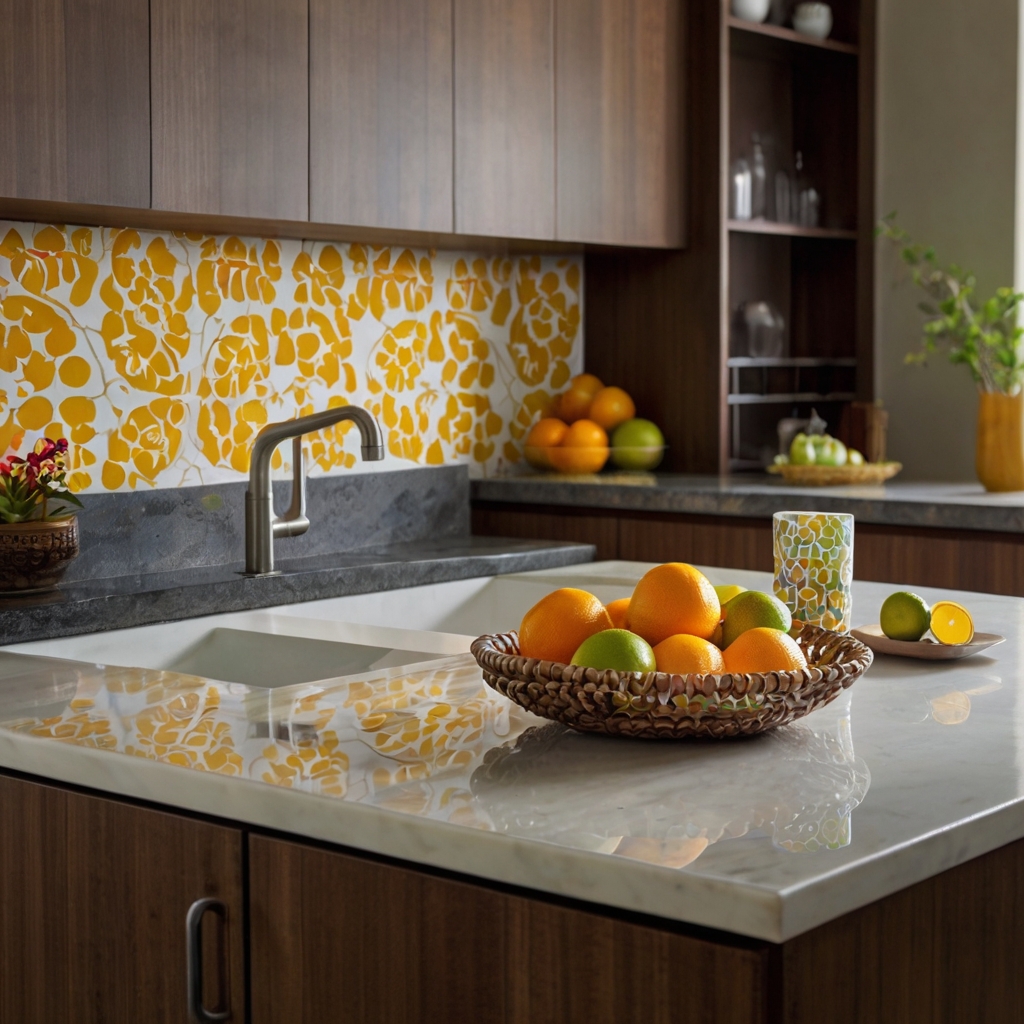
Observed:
{"x":436,"y":742}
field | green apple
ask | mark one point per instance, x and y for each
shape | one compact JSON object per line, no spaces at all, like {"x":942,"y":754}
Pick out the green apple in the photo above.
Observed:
{"x":802,"y":451}
{"x":832,"y":452}
{"x":854,"y":458}
{"x":637,"y":444}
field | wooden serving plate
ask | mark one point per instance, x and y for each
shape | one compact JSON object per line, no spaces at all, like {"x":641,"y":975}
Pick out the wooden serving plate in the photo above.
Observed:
{"x":927,"y":649}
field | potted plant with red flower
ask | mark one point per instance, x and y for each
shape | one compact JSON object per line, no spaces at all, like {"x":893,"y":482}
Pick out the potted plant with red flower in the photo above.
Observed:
{"x":38,"y":525}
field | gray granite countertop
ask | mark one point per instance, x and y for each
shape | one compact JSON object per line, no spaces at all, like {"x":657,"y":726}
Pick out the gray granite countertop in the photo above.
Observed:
{"x":958,"y":506}
{"x":87,"y":606}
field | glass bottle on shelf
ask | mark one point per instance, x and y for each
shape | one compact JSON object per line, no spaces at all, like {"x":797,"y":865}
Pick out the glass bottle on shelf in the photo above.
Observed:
{"x":783,"y":197}
{"x":758,"y":181}
{"x":740,"y":189}
{"x":807,"y":199}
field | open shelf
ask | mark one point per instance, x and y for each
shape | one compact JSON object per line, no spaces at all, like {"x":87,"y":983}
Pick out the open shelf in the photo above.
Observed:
{"x":789,"y":36}
{"x":742,"y":362}
{"x":772,"y":227}
{"x":791,"y":399}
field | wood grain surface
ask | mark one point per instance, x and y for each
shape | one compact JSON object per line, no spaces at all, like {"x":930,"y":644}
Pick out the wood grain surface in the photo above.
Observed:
{"x":978,"y":560}
{"x":74,"y":100}
{"x":397,"y":946}
{"x":505,"y":118}
{"x":619,"y":101}
{"x":230,"y":107}
{"x":381,"y":113}
{"x":93,"y":897}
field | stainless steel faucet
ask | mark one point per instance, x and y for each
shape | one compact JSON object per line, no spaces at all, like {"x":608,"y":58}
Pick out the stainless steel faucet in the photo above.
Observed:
{"x":261,"y":525}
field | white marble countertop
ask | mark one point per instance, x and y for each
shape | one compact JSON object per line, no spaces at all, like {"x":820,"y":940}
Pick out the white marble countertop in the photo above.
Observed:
{"x":918,"y":768}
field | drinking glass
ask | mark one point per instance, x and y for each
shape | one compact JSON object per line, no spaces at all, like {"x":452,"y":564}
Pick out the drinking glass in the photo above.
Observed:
{"x":814,"y":566}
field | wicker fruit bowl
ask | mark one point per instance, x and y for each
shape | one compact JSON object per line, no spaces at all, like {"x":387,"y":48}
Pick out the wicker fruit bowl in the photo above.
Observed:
{"x":656,"y":705}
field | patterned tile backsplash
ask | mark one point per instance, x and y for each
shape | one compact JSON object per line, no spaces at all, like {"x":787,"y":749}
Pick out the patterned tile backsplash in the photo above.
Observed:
{"x":160,"y":355}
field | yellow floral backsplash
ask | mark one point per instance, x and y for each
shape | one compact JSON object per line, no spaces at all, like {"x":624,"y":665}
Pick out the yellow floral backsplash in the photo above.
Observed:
{"x":160,"y":355}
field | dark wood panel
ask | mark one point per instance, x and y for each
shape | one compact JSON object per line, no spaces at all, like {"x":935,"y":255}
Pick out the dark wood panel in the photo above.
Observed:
{"x":729,"y":543}
{"x":619,"y":103}
{"x":33,"y":104}
{"x":944,"y":951}
{"x":410,"y":947}
{"x":381,"y":113}
{"x":107,"y":45}
{"x":230,"y":107}
{"x":654,"y":320}
{"x":93,"y":897}
{"x":983,"y":561}
{"x":599,"y":529}
{"x":504,"y":118}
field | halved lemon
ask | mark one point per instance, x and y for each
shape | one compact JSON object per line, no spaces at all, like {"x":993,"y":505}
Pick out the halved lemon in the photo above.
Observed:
{"x":951,"y":623}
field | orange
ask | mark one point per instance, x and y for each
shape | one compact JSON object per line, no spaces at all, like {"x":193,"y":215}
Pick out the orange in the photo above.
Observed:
{"x":583,"y":450}
{"x":763,"y":649}
{"x":554,"y":409}
{"x":557,"y":624}
{"x":610,"y":407}
{"x":575,"y":403}
{"x":684,"y":654}
{"x":546,"y":433}
{"x":617,"y":612}
{"x":674,"y":598}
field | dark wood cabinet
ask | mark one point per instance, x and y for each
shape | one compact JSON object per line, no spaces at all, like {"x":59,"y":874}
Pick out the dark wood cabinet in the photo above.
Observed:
{"x":94,"y":895}
{"x":74,"y":101}
{"x":380,"y":95}
{"x":619,"y":114}
{"x":505,"y":118}
{"x":230,"y":107}
{"x":341,"y":937}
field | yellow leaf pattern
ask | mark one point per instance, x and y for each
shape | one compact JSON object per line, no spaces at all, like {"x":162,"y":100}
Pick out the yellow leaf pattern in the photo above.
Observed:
{"x":160,"y":355}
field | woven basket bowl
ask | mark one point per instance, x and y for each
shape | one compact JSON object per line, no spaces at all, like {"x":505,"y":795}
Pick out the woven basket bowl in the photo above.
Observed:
{"x":658,"y":705}
{"x":837,"y":476}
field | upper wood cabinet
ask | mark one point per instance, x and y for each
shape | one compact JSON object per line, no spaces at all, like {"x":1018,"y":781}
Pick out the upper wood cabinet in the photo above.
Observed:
{"x":230,"y":107}
{"x":505,"y":118}
{"x":380,"y":113}
{"x":74,"y":101}
{"x":618,"y":102}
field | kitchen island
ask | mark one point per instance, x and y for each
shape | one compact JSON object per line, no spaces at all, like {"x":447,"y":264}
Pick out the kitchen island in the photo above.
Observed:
{"x":923,"y":534}
{"x":403,"y":844}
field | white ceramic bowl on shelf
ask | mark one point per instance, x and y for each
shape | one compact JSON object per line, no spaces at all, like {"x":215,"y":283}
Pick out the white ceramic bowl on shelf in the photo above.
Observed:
{"x":751,"y":10}
{"x":814,"y":20}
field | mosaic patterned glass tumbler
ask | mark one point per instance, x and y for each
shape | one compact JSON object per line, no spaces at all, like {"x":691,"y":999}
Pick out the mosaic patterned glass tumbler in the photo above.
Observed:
{"x":814,"y":566}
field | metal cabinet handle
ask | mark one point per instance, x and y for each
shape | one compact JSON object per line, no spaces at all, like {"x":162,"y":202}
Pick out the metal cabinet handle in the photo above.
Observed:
{"x":194,"y":949}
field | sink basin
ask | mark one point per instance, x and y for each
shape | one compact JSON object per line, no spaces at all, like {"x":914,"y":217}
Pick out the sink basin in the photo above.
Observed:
{"x":266,"y":660}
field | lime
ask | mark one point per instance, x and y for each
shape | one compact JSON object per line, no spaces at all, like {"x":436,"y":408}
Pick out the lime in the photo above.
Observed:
{"x":750,"y":610}
{"x":905,"y":616}
{"x":951,"y":623}
{"x":727,"y":591}
{"x":618,"y":649}
{"x":637,"y":444}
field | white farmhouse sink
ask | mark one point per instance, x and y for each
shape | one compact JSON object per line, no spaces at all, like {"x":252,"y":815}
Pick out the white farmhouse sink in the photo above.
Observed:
{"x":344,"y":636}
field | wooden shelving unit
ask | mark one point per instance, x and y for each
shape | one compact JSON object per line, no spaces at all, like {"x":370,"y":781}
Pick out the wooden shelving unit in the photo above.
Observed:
{"x":659,"y":323}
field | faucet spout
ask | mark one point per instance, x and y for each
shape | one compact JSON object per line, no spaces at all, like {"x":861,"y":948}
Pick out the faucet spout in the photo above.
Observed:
{"x":261,"y":525}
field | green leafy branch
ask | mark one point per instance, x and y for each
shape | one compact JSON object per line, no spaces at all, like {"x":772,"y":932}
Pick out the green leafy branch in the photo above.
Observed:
{"x":984,"y":337}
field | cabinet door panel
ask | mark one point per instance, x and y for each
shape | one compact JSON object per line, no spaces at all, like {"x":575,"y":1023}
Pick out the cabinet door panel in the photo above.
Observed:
{"x":74,"y":101}
{"x":93,"y":898}
{"x":336,"y":937}
{"x":381,"y":113}
{"x":504,"y":118}
{"x":618,"y":110}
{"x":230,"y":107}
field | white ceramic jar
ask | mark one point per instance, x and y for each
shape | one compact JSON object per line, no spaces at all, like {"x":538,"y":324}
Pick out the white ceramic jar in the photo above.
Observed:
{"x":751,"y":10}
{"x":813,"y":20}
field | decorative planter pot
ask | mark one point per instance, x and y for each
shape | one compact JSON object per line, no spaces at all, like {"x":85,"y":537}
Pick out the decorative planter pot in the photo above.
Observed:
{"x":999,"y":455}
{"x":34,"y":556}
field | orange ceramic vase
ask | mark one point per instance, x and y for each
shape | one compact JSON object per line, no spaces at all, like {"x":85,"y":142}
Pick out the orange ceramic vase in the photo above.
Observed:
{"x":999,"y":456}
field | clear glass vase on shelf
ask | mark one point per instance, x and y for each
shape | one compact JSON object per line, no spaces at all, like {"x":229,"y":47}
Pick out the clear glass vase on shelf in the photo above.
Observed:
{"x":740,"y":190}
